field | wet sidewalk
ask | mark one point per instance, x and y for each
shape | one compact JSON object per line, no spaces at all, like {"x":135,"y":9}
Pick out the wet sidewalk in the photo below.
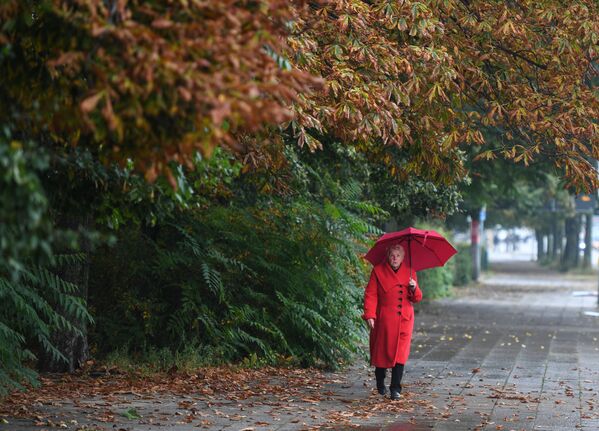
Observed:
{"x":518,"y":352}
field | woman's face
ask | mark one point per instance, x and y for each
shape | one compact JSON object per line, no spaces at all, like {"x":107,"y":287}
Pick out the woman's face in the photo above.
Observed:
{"x":396,"y":257}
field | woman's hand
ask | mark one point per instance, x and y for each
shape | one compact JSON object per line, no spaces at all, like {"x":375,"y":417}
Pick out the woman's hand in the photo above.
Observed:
{"x":370,"y":323}
{"x":412,"y":284}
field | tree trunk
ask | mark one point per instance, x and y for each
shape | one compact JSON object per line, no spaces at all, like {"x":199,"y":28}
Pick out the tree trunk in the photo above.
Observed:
{"x":540,"y":248}
{"x":550,"y":248}
{"x":73,"y":346}
{"x":571,"y":250}
{"x":558,"y":229}
{"x":588,"y":240}
{"x":475,"y":244}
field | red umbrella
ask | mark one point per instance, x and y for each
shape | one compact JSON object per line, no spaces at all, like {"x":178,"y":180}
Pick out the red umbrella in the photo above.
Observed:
{"x":424,"y":248}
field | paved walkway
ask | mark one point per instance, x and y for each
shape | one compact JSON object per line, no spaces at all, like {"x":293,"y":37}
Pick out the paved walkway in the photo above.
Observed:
{"x":516,"y":353}
{"x":519,"y":354}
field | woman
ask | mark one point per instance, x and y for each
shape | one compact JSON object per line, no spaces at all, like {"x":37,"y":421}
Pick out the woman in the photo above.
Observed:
{"x":388,"y":310}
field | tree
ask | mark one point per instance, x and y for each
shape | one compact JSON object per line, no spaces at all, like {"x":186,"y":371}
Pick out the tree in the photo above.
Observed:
{"x":513,"y":194}
{"x":154,"y":82}
{"x":422,"y":75}
{"x":429,"y":76}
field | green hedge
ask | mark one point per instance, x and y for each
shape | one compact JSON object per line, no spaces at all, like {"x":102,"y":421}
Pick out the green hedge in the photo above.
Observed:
{"x":256,"y":278}
{"x":436,"y":282}
{"x":275,"y":282}
{"x":462,"y":263}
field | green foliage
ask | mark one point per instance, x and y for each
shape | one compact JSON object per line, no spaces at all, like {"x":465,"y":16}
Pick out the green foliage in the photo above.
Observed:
{"x":259,"y":280}
{"x":412,"y":198}
{"x":274,"y":281}
{"x":159,"y":360}
{"x":463,"y":265}
{"x":25,"y":232}
{"x":131,"y":414}
{"x":28,"y":289}
{"x":29,"y":314}
{"x":484,"y":259}
{"x":436,"y":282}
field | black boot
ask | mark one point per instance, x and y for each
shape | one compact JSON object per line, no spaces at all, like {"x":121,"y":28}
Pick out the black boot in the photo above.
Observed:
{"x":396,"y":375}
{"x":379,"y":373}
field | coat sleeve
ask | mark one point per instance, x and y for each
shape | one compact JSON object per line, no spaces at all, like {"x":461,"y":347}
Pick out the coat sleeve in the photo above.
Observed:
{"x":370,"y":298}
{"x":415,"y":296}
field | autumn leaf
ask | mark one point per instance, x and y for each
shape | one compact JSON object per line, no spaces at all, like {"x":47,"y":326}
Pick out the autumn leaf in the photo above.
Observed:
{"x":162,"y":23}
{"x":90,"y":103}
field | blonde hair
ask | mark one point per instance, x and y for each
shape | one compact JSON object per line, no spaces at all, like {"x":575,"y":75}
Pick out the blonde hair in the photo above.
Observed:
{"x":395,"y":247}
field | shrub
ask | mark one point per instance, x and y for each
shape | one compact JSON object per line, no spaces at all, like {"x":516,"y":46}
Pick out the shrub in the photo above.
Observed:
{"x":462,"y":265}
{"x":436,"y":282}
{"x":35,"y":302}
{"x":262,"y":280}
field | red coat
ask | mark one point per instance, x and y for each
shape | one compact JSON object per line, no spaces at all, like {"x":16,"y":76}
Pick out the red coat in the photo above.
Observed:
{"x":388,"y":300}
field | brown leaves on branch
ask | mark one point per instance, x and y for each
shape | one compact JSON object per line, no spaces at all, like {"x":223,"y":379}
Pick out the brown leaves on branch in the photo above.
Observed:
{"x":383,"y":90}
{"x":531,"y":66}
{"x":155,"y":81}
{"x":432,"y":76}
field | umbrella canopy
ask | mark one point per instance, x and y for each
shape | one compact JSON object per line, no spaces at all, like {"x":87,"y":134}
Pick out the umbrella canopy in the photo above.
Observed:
{"x":424,"y":248}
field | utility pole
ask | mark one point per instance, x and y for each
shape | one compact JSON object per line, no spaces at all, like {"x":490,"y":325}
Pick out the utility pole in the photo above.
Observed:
{"x":475,"y":248}
{"x":588,"y":240}
{"x":476,"y":224}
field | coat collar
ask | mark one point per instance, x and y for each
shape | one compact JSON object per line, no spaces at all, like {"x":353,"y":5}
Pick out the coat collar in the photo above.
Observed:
{"x":387,"y":277}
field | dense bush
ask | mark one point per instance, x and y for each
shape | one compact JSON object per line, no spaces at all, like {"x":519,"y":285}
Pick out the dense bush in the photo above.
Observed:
{"x":36,"y":301}
{"x":252,"y":267}
{"x":272,"y":278}
{"x":463,"y":265}
{"x":436,"y":282}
